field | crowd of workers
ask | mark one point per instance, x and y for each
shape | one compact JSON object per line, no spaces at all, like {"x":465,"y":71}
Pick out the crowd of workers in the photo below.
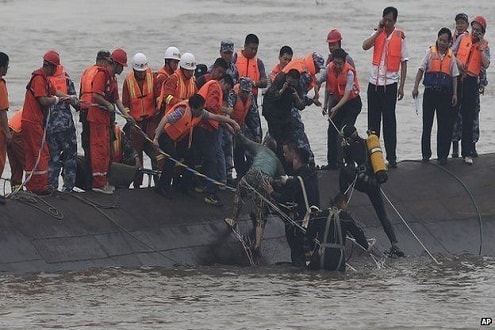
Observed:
{"x":190,"y":112}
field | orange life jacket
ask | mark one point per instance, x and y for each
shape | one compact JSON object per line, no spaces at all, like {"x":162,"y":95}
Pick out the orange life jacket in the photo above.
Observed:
{"x":185,"y":88}
{"x":241,"y":108}
{"x":85,"y":91}
{"x":15,"y":122}
{"x":275,"y":71}
{"x":438,"y":73}
{"x":469,"y":54}
{"x":142,"y":103}
{"x":303,"y":65}
{"x":117,"y":145}
{"x":184,"y":126}
{"x":248,"y":67}
{"x":59,"y":80}
{"x":203,"y":91}
{"x":393,"y":51}
{"x":95,"y":113}
{"x":336,"y":82}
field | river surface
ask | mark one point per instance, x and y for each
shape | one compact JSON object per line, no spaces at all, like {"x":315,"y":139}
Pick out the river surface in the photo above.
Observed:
{"x":410,"y":294}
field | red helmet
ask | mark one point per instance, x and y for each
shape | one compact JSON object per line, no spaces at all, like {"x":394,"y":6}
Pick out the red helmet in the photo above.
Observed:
{"x":52,"y":57}
{"x":119,"y":56}
{"x":481,"y":21}
{"x":334,"y":36}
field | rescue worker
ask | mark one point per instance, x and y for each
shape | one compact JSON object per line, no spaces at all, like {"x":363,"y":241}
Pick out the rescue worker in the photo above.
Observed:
{"x":342,"y":225}
{"x":308,"y":67}
{"x":5,"y":134}
{"x":85,"y":98}
{"x":357,"y":167}
{"x":249,"y":65}
{"x":386,"y":83}
{"x":461,"y":27}
{"x":40,"y":96}
{"x":15,"y":150}
{"x":281,"y":98}
{"x":174,"y":136}
{"x":334,"y":41}
{"x":171,"y":58}
{"x":301,"y":188}
{"x":209,"y":141}
{"x":245,"y":113}
{"x":139,"y":95}
{"x":343,"y":84}
{"x":440,"y":71}
{"x":284,"y":57}
{"x":181,"y":84}
{"x":101,"y":117}
{"x":473,"y":55}
{"x":216,"y":72}
{"x":61,"y":134}
{"x":123,"y":151}
{"x":227,"y":53}
{"x":265,"y":167}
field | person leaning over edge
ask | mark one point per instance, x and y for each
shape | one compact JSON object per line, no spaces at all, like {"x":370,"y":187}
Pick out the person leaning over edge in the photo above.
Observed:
{"x":440,"y":69}
{"x":174,"y":136}
{"x":389,"y":68}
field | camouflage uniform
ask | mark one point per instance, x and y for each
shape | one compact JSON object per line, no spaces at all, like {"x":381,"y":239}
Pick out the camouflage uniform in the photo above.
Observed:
{"x":62,"y":143}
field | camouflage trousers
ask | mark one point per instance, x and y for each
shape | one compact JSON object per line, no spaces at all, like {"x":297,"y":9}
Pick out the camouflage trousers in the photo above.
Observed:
{"x":253,"y":179}
{"x":63,"y":155}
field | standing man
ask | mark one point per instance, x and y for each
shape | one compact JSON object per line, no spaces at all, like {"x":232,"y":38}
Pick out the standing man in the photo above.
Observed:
{"x":472,"y":55}
{"x":139,"y":95}
{"x":172,"y":58}
{"x":227,"y":53}
{"x":249,"y":65}
{"x":386,"y":84}
{"x":100,"y":116}
{"x":40,"y":96}
{"x":5,"y":135}
{"x":440,"y":69}
{"x":343,"y":84}
{"x":216,"y":72}
{"x":61,"y":134}
{"x":85,"y":96}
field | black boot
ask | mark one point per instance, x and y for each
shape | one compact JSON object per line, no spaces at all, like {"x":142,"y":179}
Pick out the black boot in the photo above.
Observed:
{"x":455,"y":149}
{"x":474,"y":153}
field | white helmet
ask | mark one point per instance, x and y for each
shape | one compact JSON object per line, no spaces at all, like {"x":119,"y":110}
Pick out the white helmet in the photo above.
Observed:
{"x":172,"y":53}
{"x":139,"y":62}
{"x":188,"y":61}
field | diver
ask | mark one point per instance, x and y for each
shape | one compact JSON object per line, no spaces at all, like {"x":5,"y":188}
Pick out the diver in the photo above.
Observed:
{"x":326,"y":235}
{"x":358,"y":168}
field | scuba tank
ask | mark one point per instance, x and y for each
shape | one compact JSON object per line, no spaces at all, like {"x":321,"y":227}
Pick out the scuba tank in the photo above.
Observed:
{"x":376,"y":157}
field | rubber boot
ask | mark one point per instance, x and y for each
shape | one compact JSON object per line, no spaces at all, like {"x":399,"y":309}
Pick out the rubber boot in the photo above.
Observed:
{"x":455,"y":149}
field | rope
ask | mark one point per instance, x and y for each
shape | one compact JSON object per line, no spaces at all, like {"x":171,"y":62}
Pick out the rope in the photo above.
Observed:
{"x":409,"y":228}
{"x":468,"y":191}
{"x":31,"y":199}
{"x":149,"y":247}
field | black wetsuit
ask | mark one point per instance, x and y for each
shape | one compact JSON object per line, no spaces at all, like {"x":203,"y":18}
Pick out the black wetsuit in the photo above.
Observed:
{"x":292,"y":192}
{"x":333,"y":256}
{"x":357,"y":163}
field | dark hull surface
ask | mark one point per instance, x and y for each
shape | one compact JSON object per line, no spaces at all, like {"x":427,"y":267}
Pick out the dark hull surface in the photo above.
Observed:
{"x":450,"y":209}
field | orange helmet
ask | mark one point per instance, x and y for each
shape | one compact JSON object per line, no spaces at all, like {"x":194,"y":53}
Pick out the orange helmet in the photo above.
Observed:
{"x":481,"y":21}
{"x":52,"y":57}
{"x":334,"y":36}
{"x":119,"y":56}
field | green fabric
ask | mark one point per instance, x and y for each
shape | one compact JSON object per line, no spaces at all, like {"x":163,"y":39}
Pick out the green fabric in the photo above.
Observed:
{"x":263,"y":157}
